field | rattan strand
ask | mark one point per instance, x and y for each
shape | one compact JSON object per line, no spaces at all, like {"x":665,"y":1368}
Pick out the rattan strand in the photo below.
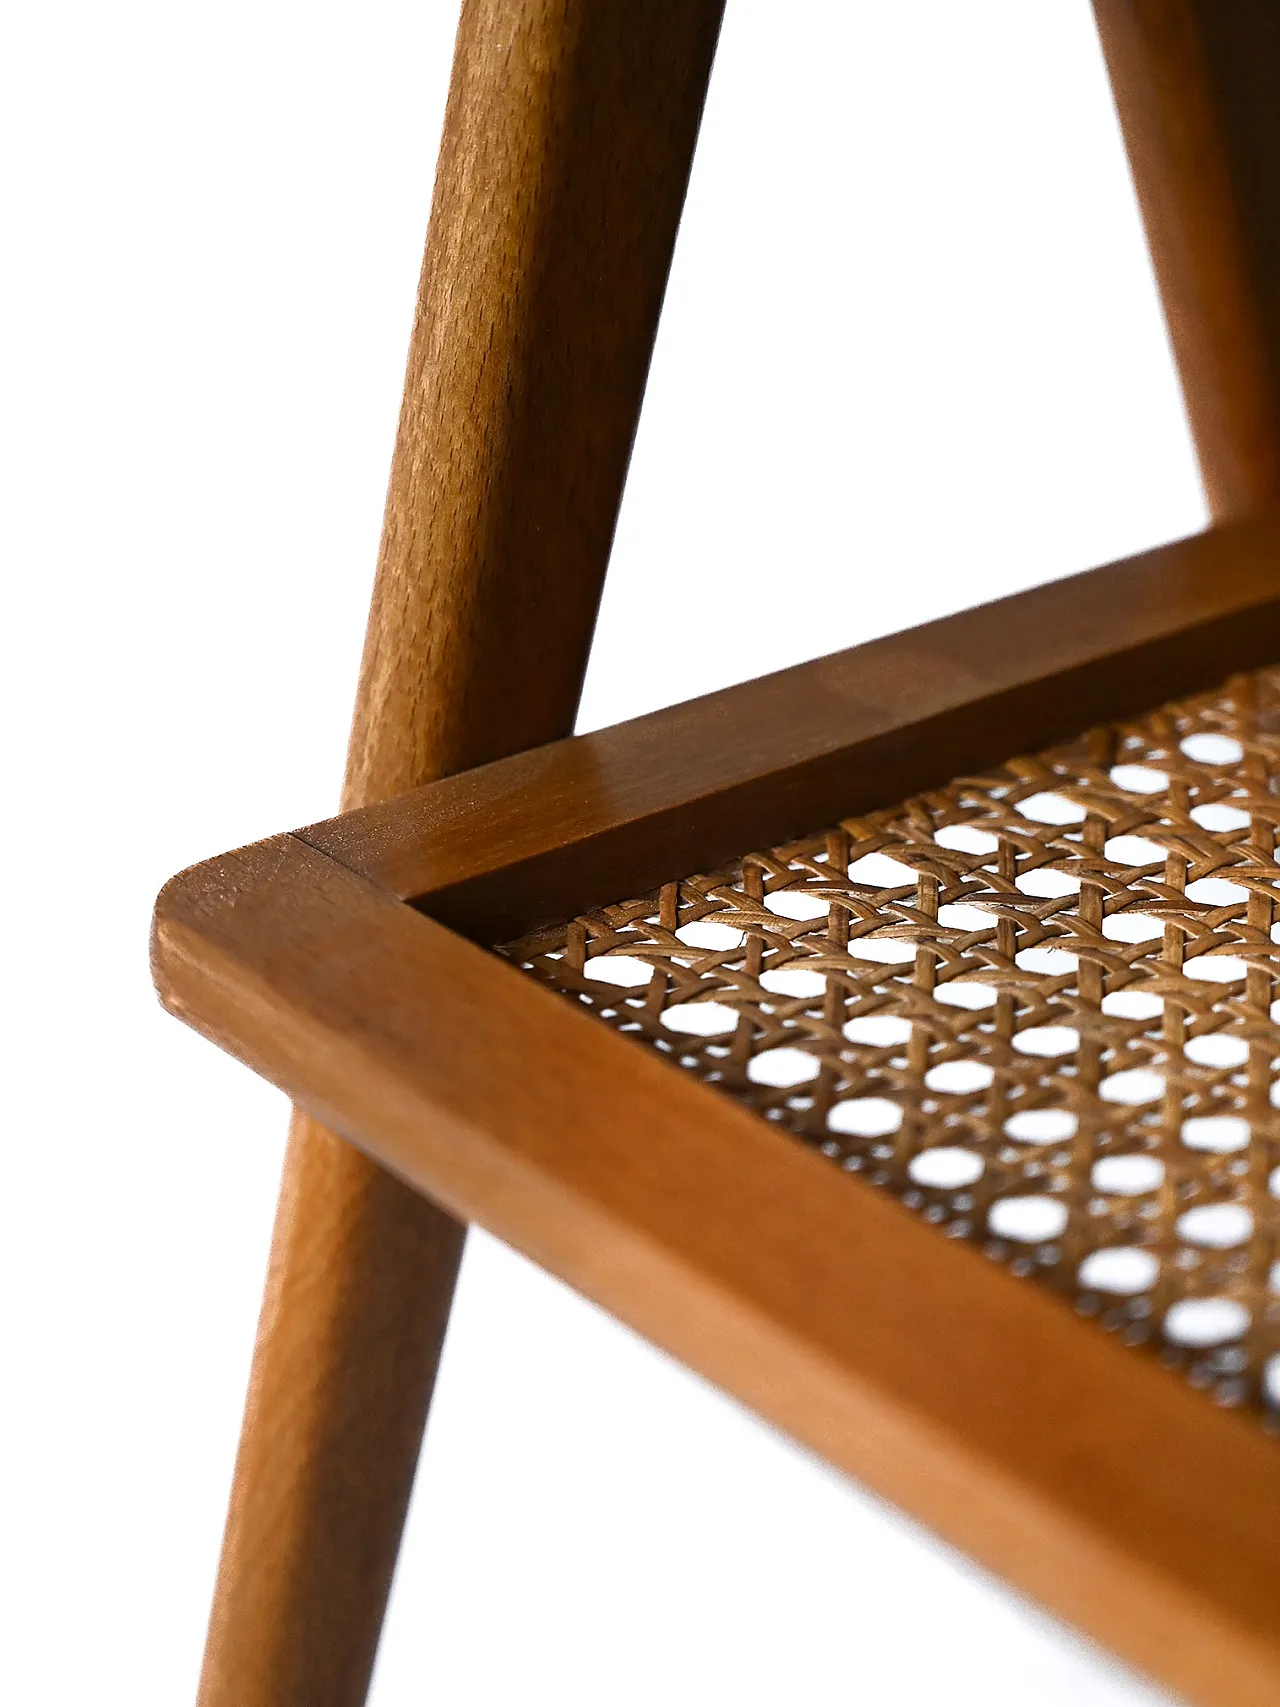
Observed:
{"x":1037,"y":1005}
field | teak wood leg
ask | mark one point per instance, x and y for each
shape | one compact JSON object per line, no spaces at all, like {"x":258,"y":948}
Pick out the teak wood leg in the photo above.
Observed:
{"x":356,"y":1305}
{"x":1195,"y":86}
{"x":567,"y":143}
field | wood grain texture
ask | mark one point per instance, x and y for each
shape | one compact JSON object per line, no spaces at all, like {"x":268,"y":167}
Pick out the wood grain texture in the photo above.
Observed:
{"x":566,"y":150}
{"x":575,"y":824}
{"x":1091,"y":1478}
{"x":357,"y":1300}
{"x":563,"y":167}
{"x":1195,"y":85}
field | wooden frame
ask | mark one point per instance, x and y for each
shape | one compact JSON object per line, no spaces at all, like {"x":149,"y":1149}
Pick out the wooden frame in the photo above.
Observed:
{"x":1089,"y":1477}
{"x":566,"y":150}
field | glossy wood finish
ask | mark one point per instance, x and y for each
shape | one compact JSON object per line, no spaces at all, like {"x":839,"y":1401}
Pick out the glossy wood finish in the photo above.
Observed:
{"x":1196,"y":84}
{"x":566,"y":150}
{"x":1091,"y":1478}
{"x":546,"y":834}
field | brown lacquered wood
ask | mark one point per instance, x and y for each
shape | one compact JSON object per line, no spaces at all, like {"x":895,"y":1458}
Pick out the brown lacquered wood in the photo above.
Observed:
{"x":357,"y":1300}
{"x":563,"y":164}
{"x":575,"y":824}
{"x":562,"y":173}
{"x":566,"y":150}
{"x":1195,"y":83}
{"x":1090,"y":1477}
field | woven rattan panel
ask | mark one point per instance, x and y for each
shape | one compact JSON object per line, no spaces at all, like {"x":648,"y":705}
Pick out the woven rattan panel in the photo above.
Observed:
{"x":1037,"y":1005}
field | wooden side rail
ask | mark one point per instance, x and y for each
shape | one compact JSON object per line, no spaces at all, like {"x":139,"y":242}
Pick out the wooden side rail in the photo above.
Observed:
{"x":571,"y":825}
{"x":1093,"y":1479}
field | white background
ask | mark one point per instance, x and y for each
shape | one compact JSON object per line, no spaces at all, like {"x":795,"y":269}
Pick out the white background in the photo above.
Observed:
{"x":911,"y":359}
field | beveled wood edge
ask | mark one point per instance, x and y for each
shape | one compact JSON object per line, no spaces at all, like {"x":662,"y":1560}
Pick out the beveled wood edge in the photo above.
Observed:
{"x":579,"y":823}
{"x":1089,"y":1477}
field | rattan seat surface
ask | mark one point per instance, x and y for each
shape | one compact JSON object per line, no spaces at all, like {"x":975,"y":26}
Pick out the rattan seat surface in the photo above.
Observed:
{"x":1016,"y":1028}
{"x":1038,"y":1006}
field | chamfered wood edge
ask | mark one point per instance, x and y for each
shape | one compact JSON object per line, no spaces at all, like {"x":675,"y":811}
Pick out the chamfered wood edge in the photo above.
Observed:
{"x":1089,"y":1477}
{"x":578,"y":823}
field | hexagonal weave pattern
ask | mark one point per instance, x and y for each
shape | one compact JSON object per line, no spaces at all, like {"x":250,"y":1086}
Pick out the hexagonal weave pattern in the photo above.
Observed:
{"x":1037,"y":1005}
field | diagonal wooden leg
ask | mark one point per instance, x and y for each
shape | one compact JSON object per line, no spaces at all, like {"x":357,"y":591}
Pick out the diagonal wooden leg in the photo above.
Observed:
{"x":357,"y":1300}
{"x":566,"y":150}
{"x":1195,"y":85}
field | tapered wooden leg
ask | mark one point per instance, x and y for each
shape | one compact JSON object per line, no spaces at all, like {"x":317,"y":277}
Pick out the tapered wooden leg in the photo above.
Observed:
{"x":1196,"y":85}
{"x":356,"y":1306}
{"x":566,"y":150}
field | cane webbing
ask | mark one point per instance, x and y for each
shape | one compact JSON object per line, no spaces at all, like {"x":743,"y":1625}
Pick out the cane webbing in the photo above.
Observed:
{"x":1036,"y":1005}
